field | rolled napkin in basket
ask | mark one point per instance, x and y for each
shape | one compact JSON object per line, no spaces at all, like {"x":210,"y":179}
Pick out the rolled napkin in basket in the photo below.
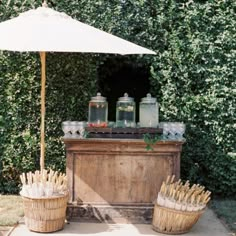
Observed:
{"x":180,"y":196}
{"x":43,"y":184}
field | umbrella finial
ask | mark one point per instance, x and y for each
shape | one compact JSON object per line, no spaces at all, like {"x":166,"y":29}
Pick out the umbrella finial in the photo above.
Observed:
{"x":44,"y":4}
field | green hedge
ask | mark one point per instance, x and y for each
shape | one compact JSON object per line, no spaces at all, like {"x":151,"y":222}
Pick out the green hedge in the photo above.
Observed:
{"x":192,"y":75}
{"x":71,"y":81}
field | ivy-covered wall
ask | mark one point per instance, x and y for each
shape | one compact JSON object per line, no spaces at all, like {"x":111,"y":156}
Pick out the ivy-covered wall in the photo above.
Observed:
{"x":192,"y":75}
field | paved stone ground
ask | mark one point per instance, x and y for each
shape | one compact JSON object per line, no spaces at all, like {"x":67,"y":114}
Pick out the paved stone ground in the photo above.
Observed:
{"x":208,"y":225}
{"x":5,"y":230}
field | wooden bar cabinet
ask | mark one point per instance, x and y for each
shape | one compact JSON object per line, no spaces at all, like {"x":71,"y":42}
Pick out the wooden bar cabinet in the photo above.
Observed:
{"x":117,"y":180}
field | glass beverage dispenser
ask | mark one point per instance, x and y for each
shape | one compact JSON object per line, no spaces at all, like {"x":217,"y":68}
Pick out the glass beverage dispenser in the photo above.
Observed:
{"x":148,"y":112}
{"x":98,"y":111}
{"x":125,"y":112}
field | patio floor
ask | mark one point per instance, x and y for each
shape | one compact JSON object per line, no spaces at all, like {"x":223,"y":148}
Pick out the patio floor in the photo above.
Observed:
{"x":208,"y":224}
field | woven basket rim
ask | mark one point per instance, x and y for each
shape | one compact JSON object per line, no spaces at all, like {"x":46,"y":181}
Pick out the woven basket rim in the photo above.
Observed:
{"x":180,"y":211}
{"x":47,"y":198}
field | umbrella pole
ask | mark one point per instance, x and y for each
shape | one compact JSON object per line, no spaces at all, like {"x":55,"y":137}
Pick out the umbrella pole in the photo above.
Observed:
{"x":42,"y":126}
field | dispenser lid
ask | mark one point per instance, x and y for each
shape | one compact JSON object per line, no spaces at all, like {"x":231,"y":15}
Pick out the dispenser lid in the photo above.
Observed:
{"x":149,"y":99}
{"x":98,"y":98}
{"x":126,"y":98}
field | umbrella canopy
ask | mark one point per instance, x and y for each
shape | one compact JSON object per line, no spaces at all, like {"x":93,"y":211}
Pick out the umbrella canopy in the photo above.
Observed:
{"x":46,"y":30}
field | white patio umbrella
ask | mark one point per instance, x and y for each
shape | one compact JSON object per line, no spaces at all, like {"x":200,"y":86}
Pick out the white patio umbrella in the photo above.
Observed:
{"x":46,"y":30}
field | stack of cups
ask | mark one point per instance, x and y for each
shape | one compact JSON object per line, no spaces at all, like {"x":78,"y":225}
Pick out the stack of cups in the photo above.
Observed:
{"x":173,"y":130}
{"x":74,"y":129}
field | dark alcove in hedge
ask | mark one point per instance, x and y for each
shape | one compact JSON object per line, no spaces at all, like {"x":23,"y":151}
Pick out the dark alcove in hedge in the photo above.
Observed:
{"x":117,"y":77}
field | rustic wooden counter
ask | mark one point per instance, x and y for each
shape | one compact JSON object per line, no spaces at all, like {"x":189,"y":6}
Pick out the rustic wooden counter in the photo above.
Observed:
{"x":117,"y":180}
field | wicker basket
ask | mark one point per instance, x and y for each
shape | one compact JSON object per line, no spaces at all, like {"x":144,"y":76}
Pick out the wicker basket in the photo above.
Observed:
{"x":170,"y":221}
{"x":45,"y":214}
